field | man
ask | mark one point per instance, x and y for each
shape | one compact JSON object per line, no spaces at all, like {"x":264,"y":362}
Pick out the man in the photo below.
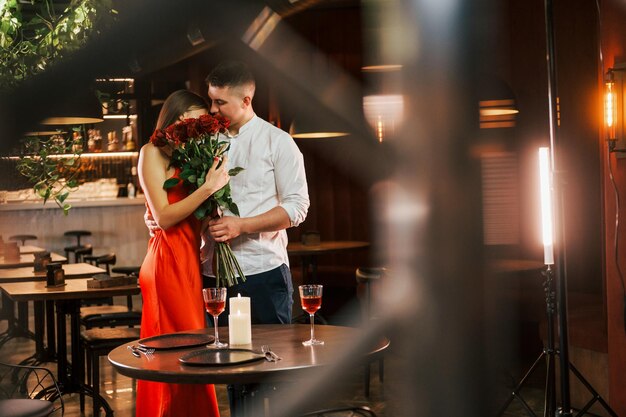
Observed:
{"x":271,"y":193}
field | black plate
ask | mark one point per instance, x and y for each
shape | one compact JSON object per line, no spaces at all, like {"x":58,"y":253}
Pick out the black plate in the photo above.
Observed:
{"x":220,"y":357}
{"x":176,"y":340}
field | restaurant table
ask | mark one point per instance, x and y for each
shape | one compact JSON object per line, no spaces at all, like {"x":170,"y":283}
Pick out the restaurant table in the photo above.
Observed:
{"x":285,"y":340}
{"x":26,"y":249}
{"x":309,"y":254}
{"x":28,"y":275}
{"x":28,"y":259}
{"x":67,"y":299}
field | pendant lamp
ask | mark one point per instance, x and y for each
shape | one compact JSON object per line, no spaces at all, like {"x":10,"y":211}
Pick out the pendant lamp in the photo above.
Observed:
{"x":81,"y":107}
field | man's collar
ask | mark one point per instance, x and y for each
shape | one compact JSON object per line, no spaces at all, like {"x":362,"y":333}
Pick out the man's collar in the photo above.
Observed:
{"x":246,"y":126}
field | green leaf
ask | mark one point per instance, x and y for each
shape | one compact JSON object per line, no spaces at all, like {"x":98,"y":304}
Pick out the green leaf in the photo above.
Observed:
{"x":234,"y":171}
{"x":186,"y":174}
{"x":192,"y":179}
{"x":200,"y":213}
{"x":233,"y":207}
{"x":171,"y":182}
{"x":63,"y":196}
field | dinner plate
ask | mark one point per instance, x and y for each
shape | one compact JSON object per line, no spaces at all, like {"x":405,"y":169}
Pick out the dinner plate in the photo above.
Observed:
{"x":220,"y":357}
{"x":176,"y":340}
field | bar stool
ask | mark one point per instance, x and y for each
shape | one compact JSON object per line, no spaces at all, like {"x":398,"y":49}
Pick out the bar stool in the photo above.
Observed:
{"x":23,"y":238}
{"x":368,"y":277}
{"x":72,"y":249}
{"x":96,"y":343}
{"x":81,"y":251}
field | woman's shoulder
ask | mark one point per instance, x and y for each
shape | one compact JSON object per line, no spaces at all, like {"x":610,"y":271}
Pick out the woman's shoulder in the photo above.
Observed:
{"x":153,"y":153}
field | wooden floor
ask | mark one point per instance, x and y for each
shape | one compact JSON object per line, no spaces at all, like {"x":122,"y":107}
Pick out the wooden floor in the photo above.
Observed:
{"x":120,"y":393}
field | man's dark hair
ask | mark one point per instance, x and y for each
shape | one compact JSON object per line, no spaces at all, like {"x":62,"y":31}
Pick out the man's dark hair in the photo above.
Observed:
{"x":229,"y":74}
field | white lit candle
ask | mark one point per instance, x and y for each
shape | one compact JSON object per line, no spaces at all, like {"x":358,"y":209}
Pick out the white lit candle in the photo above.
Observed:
{"x":240,"y":303}
{"x":239,"y":329}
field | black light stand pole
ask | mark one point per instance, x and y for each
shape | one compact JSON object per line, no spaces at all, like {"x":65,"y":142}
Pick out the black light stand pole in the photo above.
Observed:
{"x":557,"y":196}
{"x":559,"y":255}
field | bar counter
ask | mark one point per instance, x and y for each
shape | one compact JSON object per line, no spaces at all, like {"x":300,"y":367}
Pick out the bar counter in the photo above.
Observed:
{"x":116,"y":225}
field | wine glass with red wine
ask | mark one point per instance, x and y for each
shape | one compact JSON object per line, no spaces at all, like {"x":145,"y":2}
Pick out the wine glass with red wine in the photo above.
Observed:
{"x":215,"y":302}
{"x":311,"y":300}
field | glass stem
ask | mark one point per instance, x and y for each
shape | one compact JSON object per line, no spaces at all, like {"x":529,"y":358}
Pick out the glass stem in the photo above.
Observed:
{"x":217,"y":340}
{"x":311,"y":315}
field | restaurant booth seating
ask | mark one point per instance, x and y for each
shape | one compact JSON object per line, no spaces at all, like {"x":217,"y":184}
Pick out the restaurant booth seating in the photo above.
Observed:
{"x":29,"y":391}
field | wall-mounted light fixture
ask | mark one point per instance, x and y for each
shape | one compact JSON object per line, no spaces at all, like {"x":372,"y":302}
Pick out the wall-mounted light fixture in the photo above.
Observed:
{"x":614,"y":111}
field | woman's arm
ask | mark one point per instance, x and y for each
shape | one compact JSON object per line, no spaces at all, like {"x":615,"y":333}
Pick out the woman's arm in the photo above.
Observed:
{"x":153,"y":166}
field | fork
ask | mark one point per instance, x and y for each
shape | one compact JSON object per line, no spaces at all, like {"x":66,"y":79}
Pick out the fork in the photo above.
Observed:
{"x":137,"y":350}
{"x":268,"y":351}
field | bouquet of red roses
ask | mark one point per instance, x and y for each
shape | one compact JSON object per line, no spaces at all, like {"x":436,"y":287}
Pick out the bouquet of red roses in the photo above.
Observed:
{"x":193,"y":145}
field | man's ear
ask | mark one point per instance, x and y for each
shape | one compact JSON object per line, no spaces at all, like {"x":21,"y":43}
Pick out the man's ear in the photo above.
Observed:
{"x":247,"y":100}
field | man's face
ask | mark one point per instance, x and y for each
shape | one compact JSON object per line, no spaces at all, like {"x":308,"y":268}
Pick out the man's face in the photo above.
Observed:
{"x":229,"y":103}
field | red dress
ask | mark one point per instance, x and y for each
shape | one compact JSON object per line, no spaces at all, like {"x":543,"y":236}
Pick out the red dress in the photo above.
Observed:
{"x":171,"y":288}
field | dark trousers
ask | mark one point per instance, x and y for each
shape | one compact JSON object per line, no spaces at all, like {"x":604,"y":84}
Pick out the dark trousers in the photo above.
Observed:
{"x":271,"y":299}
{"x":271,"y":296}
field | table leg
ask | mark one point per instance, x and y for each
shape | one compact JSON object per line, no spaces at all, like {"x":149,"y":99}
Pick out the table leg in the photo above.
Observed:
{"x":62,"y":376}
{"x":22,"y":314}
{"x":50,"y":329}
{"x":13,"y":329}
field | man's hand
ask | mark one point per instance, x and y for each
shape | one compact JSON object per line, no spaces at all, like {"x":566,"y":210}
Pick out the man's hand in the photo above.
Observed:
{"x":150,"y":223}
{"x":225,"y":228}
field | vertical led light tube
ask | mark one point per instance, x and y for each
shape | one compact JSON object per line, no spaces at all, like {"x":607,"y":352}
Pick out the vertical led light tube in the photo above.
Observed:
{"x":545,"y":188}
{"x":610,"y":108}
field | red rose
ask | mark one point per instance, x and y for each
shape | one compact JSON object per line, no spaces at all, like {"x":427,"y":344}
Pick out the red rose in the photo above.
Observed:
{"x":224,"y":123}
{"x":158,"y":138}
{"x":193,"y":127}
{"x":177,"y":133}
{"x":206,"y":123}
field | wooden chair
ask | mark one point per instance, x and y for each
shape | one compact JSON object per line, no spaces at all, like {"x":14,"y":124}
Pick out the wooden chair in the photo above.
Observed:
{"x":94,"y":344}
{"x":108,"y":315}
{"x":29,"y":391}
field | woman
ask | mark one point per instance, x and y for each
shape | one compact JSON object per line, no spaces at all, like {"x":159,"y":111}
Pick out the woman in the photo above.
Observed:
{"x":170,"y":280}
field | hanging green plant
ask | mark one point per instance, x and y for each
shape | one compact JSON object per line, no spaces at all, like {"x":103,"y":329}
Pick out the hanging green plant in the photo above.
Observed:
{"x":36,"y":34}
{"x":52,"y":165}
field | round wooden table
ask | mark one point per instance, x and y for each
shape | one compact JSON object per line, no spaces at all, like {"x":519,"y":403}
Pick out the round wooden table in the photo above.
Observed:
{"x":284,"y":339}
{"x":248,"y":380}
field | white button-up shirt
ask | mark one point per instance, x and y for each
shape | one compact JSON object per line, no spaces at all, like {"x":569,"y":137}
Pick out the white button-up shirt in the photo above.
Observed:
{"x":273,"y":176}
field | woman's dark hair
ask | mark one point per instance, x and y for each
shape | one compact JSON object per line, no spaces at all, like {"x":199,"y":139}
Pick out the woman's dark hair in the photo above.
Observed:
{"x":230,"y":74}
{"x":178,"y":103}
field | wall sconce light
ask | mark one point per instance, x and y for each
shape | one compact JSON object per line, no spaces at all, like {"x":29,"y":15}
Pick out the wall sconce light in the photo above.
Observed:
{"x":614,"y":109}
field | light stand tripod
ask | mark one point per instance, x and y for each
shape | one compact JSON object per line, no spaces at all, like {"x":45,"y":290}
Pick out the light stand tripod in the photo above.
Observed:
{"x":548,"y":354}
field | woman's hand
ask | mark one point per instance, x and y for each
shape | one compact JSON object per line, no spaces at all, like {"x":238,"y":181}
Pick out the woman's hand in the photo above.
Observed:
{"x":216,"y":178}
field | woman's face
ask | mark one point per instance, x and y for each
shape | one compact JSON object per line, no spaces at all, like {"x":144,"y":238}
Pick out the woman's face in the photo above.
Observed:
{"x":193,"y":114}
